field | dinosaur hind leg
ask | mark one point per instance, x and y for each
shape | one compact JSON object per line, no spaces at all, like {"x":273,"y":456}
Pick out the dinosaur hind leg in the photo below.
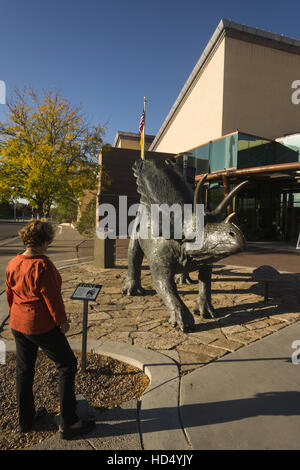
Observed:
{"x":133,"y":278}
{"x":204,"y":306}
{"x":179,"y":313}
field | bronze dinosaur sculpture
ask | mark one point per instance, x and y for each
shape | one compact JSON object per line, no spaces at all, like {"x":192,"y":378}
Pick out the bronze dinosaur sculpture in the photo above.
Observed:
{"x":168,"y":258}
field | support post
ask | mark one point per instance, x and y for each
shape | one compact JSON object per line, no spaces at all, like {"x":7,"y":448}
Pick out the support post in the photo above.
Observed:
{"x":84,"y":334}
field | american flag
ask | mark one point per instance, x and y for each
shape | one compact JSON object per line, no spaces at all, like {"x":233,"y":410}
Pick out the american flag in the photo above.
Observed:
{"x":142,"y":130}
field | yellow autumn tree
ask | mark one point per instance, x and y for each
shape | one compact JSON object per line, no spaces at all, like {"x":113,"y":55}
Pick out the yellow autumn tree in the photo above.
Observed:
{"x":48,"y":150}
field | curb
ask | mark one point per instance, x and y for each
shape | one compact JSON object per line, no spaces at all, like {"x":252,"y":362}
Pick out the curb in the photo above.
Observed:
{"x":7,"y":240}
{"x":159,"y":419}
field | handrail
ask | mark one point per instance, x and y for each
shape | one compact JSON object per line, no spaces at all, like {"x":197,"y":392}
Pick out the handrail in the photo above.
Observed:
{"x":252,"y":171}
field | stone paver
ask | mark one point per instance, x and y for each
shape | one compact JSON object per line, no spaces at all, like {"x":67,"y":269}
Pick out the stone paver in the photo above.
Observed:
{"x":242,"y":315}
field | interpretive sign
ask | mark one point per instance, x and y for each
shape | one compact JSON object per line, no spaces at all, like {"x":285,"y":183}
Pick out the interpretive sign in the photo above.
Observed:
{"x":87,"y":293}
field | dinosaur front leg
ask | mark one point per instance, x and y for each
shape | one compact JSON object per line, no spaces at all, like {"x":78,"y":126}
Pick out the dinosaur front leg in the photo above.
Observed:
{"x":166,"y":288}
{"x":204,"y":306}
{"x":135,"y":260}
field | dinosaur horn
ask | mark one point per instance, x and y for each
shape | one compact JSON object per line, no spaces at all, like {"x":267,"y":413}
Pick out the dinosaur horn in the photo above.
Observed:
{"x":218,"y":210}
{"x":196,"y":196}
{"x":229,"y":217}
{"x":198,"y":190}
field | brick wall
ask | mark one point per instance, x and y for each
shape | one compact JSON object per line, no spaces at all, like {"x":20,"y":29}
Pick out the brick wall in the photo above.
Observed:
{"x":118,"y":163}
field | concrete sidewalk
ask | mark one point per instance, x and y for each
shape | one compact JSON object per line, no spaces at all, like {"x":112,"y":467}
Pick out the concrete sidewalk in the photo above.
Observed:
{"x":247,"y":400}
{"x":282,"y":256}
{"x":3,"y":309}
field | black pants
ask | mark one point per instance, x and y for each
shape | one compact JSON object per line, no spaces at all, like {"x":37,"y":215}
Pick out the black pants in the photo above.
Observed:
{"x":56,"y":347}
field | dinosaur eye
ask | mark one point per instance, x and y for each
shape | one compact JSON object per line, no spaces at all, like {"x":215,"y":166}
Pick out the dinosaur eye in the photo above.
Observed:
{"x":231,"y":234}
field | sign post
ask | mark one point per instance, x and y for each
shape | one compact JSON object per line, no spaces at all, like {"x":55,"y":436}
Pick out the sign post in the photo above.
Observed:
{"x":298,"y":243}
{"x":84,"y":334}
{"x":85,"y":292}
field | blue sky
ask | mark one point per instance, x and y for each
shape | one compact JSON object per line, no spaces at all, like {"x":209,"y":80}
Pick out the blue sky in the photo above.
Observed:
{"x":108,"y":54}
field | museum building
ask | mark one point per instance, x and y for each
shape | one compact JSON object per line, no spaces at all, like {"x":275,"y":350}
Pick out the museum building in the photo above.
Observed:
{"x":237,"y":117}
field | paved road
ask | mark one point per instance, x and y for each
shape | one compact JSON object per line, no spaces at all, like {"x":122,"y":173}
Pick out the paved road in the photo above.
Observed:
{"x":10,"y":229}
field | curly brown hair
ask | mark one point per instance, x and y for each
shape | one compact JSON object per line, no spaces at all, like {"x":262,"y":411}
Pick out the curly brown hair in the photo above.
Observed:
{"x":37,"y":232}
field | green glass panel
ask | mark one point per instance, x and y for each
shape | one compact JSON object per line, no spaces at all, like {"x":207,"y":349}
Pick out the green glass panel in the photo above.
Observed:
{"x":255,"y":151}
{"x":292,"y":143}
{"x":215,"y":155}
{"x":231,"y":151}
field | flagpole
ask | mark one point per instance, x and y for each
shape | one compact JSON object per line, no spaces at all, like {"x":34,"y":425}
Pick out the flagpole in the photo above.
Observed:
{"x":142,"y":130}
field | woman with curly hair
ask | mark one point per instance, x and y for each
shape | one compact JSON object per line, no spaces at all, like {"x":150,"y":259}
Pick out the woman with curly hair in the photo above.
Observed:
{"x":38,"y":319}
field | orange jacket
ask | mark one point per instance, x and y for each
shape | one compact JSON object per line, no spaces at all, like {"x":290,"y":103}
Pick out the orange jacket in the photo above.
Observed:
{"x":33,"y":292}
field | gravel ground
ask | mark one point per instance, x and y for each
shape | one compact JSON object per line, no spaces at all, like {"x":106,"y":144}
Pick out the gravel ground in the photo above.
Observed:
{"x":106,"y":384}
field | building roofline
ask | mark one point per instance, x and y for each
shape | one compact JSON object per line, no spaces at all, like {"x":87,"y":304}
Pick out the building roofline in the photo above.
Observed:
{"x":231,"y":29}
{"x":288,"y":136}
{"x":131,"y":136}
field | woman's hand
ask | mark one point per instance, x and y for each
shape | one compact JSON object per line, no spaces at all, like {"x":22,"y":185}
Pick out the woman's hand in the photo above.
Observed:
{"x":64,"y":327}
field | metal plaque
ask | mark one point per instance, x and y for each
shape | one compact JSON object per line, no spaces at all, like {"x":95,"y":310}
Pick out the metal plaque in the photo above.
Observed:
{"x":86,"y":292}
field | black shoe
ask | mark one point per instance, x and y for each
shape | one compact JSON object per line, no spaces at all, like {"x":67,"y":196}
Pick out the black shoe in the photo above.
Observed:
{"x":70,"y":433}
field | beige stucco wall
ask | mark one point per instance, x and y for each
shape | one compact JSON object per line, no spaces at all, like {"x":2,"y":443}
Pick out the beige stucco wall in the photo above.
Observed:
{"x":128,"y":144}
{"x":199,"y":117}
{"x":257,"y":90}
